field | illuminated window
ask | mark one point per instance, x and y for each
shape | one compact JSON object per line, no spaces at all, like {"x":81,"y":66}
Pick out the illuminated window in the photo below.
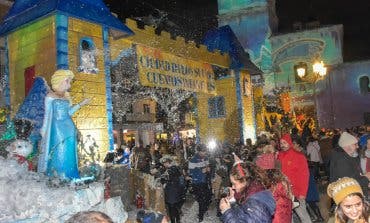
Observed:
{"x":87,"y":56}
{"x":216,"y":107}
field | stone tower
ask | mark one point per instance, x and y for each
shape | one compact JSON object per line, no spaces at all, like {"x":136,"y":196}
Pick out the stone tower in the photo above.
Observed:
{"x":253,"y":22}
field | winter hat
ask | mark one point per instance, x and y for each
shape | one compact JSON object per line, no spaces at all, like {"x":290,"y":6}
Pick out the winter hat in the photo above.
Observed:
{"x":287,"y":138}
{"x":343,"y":187}
{"x":266,"y":161}
{"x":346,"y":139}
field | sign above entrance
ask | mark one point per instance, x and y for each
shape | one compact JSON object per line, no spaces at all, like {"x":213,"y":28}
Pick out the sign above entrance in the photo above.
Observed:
{"x":159,"y":69}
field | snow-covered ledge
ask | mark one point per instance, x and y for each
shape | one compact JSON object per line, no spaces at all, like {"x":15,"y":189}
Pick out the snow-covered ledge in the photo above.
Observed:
{"x":30,"y":197}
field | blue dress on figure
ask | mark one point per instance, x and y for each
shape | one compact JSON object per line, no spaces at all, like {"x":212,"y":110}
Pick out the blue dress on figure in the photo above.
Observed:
{"x":58,"y":156}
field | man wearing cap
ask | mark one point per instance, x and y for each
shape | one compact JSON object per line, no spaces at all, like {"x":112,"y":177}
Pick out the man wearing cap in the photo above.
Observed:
{"x":198,"y":170}
{"x":345,"y":162}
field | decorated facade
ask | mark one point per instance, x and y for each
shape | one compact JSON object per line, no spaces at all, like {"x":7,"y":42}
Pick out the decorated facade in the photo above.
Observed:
{"x":170,"y":71}
{"x":279,"y":55}
{"x":96,"y":47}
{"x":40,"y":38}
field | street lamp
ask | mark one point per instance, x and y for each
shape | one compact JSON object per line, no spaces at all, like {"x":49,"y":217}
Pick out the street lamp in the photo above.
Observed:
{"x":319,"y":71}
{"x":301,"y":69}
{"x":318,"y":68}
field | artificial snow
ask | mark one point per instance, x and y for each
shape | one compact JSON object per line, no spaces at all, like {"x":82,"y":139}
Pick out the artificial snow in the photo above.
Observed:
{"x":32,"y":197}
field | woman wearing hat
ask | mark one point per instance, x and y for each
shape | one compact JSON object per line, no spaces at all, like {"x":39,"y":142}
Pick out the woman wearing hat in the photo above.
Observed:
{"x":349,"y":198}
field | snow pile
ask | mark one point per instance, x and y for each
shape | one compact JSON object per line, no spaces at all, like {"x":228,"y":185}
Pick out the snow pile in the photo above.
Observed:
{"x":31,"y":197}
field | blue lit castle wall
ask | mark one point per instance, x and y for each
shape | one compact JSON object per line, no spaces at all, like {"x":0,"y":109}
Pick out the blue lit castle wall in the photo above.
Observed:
{"x":252,"y":21}
{"x":344,"y":98}
{"x":321,"y":44}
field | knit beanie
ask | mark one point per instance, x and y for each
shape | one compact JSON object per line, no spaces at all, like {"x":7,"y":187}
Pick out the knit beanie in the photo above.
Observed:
{"x":343,"y":187}
{"x":346,"y":139}
{"x":287,"y":138}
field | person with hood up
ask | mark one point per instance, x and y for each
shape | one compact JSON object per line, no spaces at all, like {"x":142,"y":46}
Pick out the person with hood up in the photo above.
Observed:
{"x":294,"y":166}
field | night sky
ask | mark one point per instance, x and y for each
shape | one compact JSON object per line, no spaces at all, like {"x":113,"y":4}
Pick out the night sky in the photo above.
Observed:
{"x":192,"y":18}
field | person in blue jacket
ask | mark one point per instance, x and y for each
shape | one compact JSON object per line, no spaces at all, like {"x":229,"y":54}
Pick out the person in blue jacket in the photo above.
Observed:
{"x":199,"y":171}
{"x":247,"y":203}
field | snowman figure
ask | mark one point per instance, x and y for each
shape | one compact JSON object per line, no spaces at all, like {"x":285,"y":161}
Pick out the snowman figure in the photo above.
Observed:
{"x":19,"y":150}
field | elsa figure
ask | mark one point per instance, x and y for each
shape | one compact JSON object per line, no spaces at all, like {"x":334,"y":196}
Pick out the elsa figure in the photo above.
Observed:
{"x":58,"y":152}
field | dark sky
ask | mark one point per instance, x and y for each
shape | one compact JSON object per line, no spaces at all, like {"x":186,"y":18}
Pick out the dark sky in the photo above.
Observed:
{"x":192,"y":18}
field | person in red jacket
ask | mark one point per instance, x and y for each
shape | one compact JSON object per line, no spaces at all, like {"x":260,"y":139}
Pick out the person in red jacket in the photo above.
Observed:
{"x":294,"y":166}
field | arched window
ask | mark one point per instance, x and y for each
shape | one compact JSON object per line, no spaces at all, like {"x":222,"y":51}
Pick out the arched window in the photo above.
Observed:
{"x":364,"y":85}
{"x":87,"y":56}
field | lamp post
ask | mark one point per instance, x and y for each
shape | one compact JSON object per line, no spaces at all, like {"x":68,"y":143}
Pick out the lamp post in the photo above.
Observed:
{"x":319,"y":71}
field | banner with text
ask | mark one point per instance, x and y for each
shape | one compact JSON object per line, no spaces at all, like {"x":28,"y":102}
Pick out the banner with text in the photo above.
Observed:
{"x":159,"y":69}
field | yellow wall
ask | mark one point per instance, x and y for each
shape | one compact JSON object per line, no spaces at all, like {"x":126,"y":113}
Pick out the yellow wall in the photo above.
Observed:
{"x":91,"y":119}
{"x":219,"y":128}
{"x":28,"y":46}
{"x":35,"y":45}
{"x":260,"y":113}
{"x":247,"y":103}
{"x":164,"y":42}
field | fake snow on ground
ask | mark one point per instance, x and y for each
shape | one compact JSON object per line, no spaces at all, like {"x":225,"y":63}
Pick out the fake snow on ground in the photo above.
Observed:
{"x":29,"y":197}
{"x":190,"y":211}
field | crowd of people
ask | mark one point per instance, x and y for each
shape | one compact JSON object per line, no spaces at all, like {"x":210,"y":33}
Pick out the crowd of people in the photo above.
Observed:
{"x":272,"y":180}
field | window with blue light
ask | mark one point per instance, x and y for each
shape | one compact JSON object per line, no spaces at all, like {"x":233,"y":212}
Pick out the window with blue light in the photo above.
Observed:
{"x":216,"y":107}
{"x":87,"y":56}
